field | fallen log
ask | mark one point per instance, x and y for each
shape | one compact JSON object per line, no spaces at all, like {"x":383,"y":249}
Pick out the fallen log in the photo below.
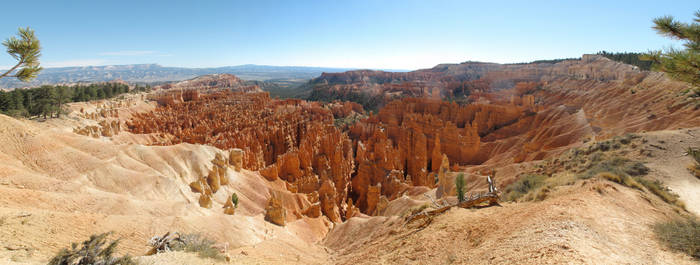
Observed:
{"x":490,"y":197}
{"x":160,"y":244}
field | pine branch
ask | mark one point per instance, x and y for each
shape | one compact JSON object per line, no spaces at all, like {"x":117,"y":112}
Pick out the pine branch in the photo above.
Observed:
{"x":10,"y":71}
{"x":26,"y":50}
{"x":669,"y":27}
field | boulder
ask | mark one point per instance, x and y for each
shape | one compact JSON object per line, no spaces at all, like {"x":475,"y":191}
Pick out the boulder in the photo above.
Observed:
{"x":196,"y":186}
{"x":236,"y":158}
{"x":270,"y":172}
{"x":223,"y":179}
{"x":444,"y":184}
{"x":205,"y":201}
{"x":213,"y":180}
{"x":229,"y":207}
{"x":274,"y":212}
{"x":313,"y":211}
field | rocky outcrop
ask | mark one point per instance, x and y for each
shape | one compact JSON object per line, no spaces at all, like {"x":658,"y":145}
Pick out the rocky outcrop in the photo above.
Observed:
{"x":515,"y":113}
{"x":274,"y":212}
{"x":192,"y":87}
{"x":191,"y":90}
{"x":229,"y":207}
{"x":291,"y":140}
{"x":208,"y":185}
{"x":438,"y":82}
{"x":406,"y":143}
{"x":445,"y":184}
{"x":236,"y":158}
{"x":205,"y":201}
{"x":104,"y":128}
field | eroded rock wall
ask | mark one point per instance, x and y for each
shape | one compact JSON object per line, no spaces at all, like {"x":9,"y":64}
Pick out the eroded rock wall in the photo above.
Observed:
{"x":290,"y":140}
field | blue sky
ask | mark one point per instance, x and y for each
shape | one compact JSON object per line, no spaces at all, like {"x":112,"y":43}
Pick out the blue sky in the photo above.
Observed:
{"x":360,"y":34}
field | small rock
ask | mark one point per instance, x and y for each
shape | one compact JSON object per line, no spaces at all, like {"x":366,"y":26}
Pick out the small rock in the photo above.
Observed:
{"x":13,"y":247}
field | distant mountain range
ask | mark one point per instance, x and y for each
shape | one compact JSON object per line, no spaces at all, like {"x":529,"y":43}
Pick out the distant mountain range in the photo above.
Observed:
{"x":154,"y":73}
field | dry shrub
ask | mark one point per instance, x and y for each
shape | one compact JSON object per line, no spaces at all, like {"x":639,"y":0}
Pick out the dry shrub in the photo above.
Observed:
{"x":196,"y":243}
{"x":694,"y":168}
{"x":610,"y":176}
{"x":538,"y":195}
{"x":93,"y":251}
{"x":523,"y":186}
{"x":656,"y":187}
{"x":415,"y":209}
{"x":681,"y":235}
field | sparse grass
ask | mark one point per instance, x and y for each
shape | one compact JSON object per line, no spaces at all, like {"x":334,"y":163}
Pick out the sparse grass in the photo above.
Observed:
{"x":523,"y":186}
{"x":631,"y":174}
{"x":615,"y":165}
{"x":415,"y":210}
{"x":681,"y":235}
{"x":694,"y":168}
{"x":93,"y":251}
{"x":610,"y":176}
{"x":623,"y":179}
{"x":539,"y":194}
{"x":594,"y":161}
{"x":451,"y":258}
{"x":196,"y":243}
{"x":656,"y":187}
{"x":695,"y":154}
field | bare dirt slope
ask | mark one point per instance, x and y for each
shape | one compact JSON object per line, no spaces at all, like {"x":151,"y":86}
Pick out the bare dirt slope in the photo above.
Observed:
{"x":58,"y":187}
{"x":668,"y":162}
{"x":576,"y":225}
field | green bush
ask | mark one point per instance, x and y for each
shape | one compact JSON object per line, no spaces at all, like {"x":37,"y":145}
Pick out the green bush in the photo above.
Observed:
{"x":93,"y":251}
{"x":459,"y":183}
{"x":681,"y":235}
{"x":234,"y":199}
{"x":523,"y":186}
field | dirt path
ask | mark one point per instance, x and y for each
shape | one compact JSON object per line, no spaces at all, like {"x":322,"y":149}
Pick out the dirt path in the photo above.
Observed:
{"x":669,"y":163}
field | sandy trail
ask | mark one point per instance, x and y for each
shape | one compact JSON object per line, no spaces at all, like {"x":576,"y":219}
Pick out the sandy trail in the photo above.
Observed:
{"x":669,"y":162}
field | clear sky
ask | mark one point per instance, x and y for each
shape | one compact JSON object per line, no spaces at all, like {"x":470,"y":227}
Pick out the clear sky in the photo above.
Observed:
{"x":402,"y":34}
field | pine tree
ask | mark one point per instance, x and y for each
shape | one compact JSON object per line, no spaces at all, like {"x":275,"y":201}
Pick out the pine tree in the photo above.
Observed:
{"x":63,"y":94}
{"x":26,"y":50}
{"x":17,"y":100}
{"x":459,"y":183}
{"x":680,"y":64}
{"x":5,"y":99}
{"x":45,"y":101}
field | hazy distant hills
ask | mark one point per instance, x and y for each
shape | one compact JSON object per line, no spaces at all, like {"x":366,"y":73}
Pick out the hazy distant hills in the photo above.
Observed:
{"x":153,"y":73}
